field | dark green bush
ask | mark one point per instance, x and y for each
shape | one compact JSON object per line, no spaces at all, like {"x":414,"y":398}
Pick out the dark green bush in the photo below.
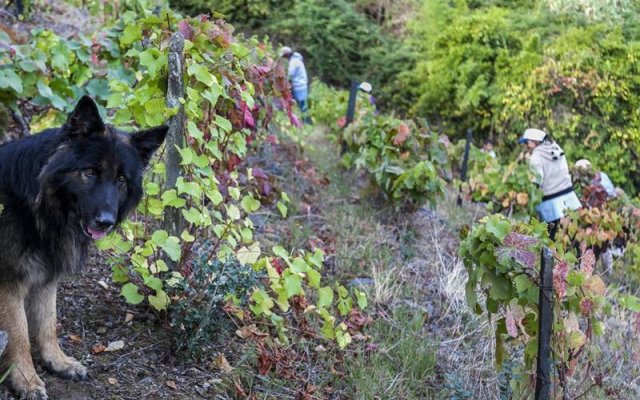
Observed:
{"x":341,"y":44}
{"x":246,"y":14}
{"x":197,"y":318}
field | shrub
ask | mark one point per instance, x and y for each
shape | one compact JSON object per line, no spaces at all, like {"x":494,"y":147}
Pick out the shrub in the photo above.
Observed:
{"x":197,"y":316}
{"x":502,"y":259}
{"x":404,"y":160}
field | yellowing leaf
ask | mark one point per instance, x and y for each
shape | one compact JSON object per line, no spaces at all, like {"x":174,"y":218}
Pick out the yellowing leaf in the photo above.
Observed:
{"x":249,"y":255}
{"x":522,"y":199}
{"x":594,"y":286}
{"x":130,"y":292}
{"x":222,"y":364}
{"x":160,"y":301}
{"x":233,"y":212}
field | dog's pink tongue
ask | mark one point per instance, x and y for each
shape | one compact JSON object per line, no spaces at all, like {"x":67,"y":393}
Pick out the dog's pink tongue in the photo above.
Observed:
{"x":96,"y":234}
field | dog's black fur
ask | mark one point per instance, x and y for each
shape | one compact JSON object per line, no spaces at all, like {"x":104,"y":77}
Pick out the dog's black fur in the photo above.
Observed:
{"x":60,"y":189}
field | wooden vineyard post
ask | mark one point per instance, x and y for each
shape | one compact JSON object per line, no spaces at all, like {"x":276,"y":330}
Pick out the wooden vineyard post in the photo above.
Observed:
{"x":465,"y":162}
{"x":351,"y":110}
{"x":351,"y":105}
{"x":545,"y":323}
{"x":173,"y":222}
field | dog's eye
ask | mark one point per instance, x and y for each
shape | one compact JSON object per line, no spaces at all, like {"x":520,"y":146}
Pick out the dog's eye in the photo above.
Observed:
{"x":89,"y":171}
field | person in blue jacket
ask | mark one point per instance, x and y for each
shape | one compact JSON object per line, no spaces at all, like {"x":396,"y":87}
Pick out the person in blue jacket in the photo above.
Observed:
{"x":298,"y":78}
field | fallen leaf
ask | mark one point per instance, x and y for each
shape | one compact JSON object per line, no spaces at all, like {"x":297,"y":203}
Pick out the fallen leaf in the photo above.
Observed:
{"x":222,"y":364}
{"x":115,"y":346}
{"x":172,"y":385}
{"x":240,"y":390}
{"x":265,"y":361}
{"x":357,"y":319}
{"x":371,"y":347}
{"x":98,"y":348}
{"x":112,"y":381}
{"x":103,"y":284}
{"x":249,"y":331}
{"x":128,"y":318}
{"x":75,"y":338}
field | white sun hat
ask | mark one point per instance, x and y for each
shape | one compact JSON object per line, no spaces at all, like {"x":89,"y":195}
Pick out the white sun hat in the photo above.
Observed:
{"x":583,"y":164}
{"x":285,"y":51}
{"x":532,"y":134}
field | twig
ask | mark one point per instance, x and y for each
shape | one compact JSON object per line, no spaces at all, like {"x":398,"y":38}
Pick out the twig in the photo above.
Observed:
{"x":117,"y":361}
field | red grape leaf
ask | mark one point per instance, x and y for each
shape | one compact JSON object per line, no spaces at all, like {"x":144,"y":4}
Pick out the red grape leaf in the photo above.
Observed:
{"x":517,"y":246}
{"x":560,"y":272}
{"x":185,"y":29}
{"x":402,"y":135}
{"x":586,"y":306}
{"x":587,"y":262}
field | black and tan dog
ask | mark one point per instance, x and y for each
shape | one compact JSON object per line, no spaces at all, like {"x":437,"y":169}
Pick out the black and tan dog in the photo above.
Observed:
{"x":60,"y":190}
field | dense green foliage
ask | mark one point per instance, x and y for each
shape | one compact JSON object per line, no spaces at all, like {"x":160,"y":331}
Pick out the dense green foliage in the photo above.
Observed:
{"x":196,"y":315}
{"x":247,"y":14}
{"x":499,"y":67}
{"x":346,"y":36}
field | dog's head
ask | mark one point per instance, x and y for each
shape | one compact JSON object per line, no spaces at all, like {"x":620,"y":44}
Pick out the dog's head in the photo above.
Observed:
{"x":95,"y":172}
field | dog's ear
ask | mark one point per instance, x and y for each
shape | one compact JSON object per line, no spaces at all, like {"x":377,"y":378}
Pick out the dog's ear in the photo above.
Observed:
{"x":85,"y":119}
{"x":148,"y":141}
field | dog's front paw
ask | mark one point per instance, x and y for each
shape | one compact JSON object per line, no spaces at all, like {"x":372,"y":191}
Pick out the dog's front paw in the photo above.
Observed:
{"x":29,"y":386}
{"x":66,"y":367}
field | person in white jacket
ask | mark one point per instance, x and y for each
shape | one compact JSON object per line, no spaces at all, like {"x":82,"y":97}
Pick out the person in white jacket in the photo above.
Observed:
{"x":298,"y":78}
{"x":549,"y":163}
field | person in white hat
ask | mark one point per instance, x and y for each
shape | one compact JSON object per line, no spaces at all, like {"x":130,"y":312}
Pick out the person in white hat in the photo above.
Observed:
{"x":584,"y":168}
{"x":549,"y":163}
{"x":298,"y":78}
{"x":599,"y":178}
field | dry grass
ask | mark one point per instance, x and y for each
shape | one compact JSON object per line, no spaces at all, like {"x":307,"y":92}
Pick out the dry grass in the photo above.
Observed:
{"x":386,"y":286}
{"x":465,"y":340}
{"x":427,"y":342}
